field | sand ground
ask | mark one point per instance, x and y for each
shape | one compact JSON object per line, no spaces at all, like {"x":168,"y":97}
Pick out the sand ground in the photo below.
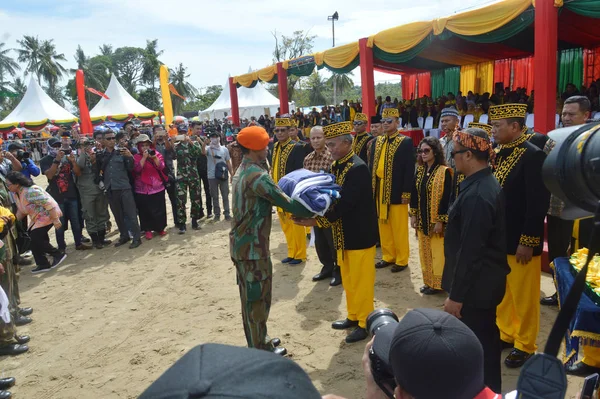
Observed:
{"x":108,"y":322}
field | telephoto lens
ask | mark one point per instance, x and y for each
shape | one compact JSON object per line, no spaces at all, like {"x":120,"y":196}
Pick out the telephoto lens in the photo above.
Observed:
{"x":379,"y":318}
{"x":26,"y":155}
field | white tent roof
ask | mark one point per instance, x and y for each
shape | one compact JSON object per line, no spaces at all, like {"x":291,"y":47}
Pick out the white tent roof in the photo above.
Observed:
{"x":37,"y":108}
{"x":251,"y":102}
{"x":121,"y":103}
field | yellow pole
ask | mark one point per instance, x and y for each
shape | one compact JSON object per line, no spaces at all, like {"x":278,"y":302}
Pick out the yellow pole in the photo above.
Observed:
{"x":166,"y":95}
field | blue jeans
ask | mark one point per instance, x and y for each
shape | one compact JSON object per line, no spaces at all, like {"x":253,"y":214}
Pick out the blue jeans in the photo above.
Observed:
{"x":70,"y":211}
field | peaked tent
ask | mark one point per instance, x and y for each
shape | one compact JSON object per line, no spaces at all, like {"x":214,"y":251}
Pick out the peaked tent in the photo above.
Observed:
{"x":35,"y":111}
{"x":252,"y":102}
{"x":120,"y":107}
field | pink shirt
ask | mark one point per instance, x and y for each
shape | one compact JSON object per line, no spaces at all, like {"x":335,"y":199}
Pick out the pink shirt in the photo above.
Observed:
{"x":147,"y":179}
{"x":35,"y":202}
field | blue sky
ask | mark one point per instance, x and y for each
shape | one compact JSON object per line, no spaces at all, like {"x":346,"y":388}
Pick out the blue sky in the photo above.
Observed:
{"x":211,"y":38}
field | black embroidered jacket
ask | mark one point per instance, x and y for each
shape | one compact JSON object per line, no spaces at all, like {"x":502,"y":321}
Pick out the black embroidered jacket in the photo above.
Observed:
{"x":399,"y":167}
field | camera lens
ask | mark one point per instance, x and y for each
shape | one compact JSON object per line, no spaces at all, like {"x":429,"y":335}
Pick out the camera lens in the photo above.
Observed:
{"x":151,"y":153}
{"x":379,"y":318}
{"x":572,"y":169}
{"x":25,"y":155}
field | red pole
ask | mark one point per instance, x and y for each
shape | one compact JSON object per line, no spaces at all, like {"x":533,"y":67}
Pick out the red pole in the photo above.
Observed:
{"x":283,"y":89}
{"x":546,"y":46}
{"x":366,"y":78}
{"x":235,"y":109}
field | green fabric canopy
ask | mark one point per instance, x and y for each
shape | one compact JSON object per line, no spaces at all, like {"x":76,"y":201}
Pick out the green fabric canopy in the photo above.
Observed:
{"x":348,"y":68}
{"x":451,"y":80}
{"x":437,"y":83}
{"x":570,"y":68}
{"x":587,"y":8}
{"x":404,"y":56}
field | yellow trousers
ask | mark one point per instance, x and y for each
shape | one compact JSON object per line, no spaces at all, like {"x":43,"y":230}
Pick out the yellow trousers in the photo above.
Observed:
{"x":295,"y":236}
{"x":431,"y":254}
{"x":591,"y":355}
{"x":518,"y":315}
{"x":394,"y":235}
{"x":358,"y":278}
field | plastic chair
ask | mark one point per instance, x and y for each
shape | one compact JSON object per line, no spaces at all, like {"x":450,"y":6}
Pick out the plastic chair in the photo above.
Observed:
{"x":420,"y":122}
{"x":557,"y":120}
{"x":529,"y":121}
{"x":484,"y":118}
{"x":428,"y":123}
{"x":468,"y":119}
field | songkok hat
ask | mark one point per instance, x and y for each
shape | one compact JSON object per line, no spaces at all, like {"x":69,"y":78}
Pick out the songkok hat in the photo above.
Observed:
{"x":361,"y":117}
{"x":433,"y":355}
{"x":506,"y":111}
{"x":337,"y":129}
{"x":390,"y":113}
{"x":482,"y":126}
{"x":450,"y":111}
{"x":253,"y":138}
{"x":223,"y":371}
{"x":376,"y":119}
{"x":284,"y":120}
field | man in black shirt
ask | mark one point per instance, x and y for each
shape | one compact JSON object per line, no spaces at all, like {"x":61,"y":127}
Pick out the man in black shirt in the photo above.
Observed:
{"x":475,"y":249}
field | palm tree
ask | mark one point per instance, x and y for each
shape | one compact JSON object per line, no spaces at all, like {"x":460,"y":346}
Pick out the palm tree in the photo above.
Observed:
{"x":49,"y":67}
{"x":96,"y":73}
{"x":179,"y":79}
{"x":7,"y":64}
{"x":106,"y":49}
{"x":317,"y":88}
{"x":151,"y":62}
{"x":340,"y":82}
{"x":30,"y":53}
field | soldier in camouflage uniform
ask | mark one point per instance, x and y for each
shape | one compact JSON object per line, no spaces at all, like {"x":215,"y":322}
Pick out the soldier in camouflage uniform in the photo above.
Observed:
{"x":254,"y":194}
{"x":187,"y":153}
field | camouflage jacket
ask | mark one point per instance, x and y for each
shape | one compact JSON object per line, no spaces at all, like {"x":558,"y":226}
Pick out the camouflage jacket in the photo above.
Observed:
{"x":187,"y":160}
{"x":254,"y":193}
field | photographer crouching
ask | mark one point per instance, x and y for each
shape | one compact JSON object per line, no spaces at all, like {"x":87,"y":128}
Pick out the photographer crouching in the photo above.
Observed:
{"x":28,"y":167}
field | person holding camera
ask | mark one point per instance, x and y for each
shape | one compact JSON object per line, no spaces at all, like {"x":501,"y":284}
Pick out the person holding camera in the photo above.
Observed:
{"x":28,"y":167}
{"x":116,"y":167}
{"x":8,"y":162}
{"x":93,"y":200}
{"x":475,"y":248}
{"x":163,"y":145}
{"x":60,"y":168}
{"x":150,"y":184}
{"x":219,"y":164}
{"x":428,"y":354}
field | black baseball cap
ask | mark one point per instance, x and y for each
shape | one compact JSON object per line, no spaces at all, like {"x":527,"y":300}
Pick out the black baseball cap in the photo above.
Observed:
{"x":15,"y":146}
{"x":433,"y":355}
{"x":213,"y":134}
{"x":54,"y":142}
{"x":223,"y":371}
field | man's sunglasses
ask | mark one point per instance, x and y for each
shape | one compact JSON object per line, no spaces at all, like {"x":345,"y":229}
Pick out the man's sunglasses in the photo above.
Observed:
{"x":358,"y":123}
{"x":279,"y":130}
{"x":424,"y":151}
{"x":387,"y":120}
{"x":453,"y":153}
{"x":109,"y":138}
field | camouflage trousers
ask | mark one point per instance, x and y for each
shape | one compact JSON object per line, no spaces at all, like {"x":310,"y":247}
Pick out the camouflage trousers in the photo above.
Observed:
{"x":193,"y":185}
{"x":255,"y":279}
{"x":9,"y":281}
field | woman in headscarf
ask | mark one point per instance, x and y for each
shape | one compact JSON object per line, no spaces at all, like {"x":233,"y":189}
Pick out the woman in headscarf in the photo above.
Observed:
{"x":149,"y":187}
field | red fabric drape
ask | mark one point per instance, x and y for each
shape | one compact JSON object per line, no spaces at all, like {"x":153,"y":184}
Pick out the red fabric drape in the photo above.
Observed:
{"x":522,"y":73}
{"x":502,"y":72}
{"x":591,"y":65}
{"x":409,"y":86}
{"x":424,"y":84}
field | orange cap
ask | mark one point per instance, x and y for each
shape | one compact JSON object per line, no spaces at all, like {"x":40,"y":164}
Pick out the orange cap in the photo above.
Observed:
{"x":253,"y":138}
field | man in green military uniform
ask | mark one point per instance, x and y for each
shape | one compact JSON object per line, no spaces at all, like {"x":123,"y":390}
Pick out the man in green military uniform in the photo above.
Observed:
{"x":187,"y":153}
{"x":254,"y":193}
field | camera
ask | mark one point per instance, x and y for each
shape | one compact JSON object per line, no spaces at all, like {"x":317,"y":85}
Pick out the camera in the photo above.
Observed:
{"x":23,"y":155}
{"x":67,"y":151}
{"x":152,"y":152}
{"x":380,"y":368}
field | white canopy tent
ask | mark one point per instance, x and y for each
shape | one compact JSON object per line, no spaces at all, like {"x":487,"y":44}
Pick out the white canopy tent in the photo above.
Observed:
{"x":36,"y":109}
{"x":120,"y":104}
{"x":255,"y":101}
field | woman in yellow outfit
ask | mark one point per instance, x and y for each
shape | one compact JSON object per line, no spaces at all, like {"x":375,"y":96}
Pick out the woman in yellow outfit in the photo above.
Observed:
{"x":429,"y":203}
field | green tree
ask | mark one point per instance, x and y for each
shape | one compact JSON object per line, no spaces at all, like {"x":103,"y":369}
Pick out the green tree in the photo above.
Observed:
{"x":19,"y":88}
{"x":290,"y":47}
{"x":204,"y":99}
{"x":151,"y":63}
{"x":317,"y":89}
{"x":129,"y":67}
{"x":179,"y":79}
{"x":57,"y":93}
{"x":8,"y":66}
{"x":42,"y":59}
{"x":30,"y":53}
{"x":150,"y":98}
{"x":96,"y":75}
{"x":340,"y":82}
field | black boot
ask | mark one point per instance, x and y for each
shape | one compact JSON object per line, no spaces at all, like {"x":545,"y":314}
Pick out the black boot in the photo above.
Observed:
{"x":102,"y":238}
{"x":96,"y":241}
{"x":336,"y":278}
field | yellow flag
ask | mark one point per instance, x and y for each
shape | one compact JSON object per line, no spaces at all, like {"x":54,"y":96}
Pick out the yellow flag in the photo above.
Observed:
{"x":166,"y":94}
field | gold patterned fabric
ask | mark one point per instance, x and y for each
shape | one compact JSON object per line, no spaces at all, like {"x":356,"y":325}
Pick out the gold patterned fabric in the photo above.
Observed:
{"x":283,"y":122}
{"x":483,"y":126}
{"x":361,"y":117}
{"x":506,"y":111}
{"x":382,"y":170}
{"x":340,"y":177}
{"x":281,"y":152}
{"x":390,"y":113}
{"x":337,"y":129}
{"x":359,"y":142}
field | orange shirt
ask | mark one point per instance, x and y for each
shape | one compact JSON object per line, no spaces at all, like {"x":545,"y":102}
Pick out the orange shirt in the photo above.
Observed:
{"x":173,"y":132}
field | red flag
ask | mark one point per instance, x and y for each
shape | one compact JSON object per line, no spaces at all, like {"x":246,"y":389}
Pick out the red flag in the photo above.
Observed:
{"x":173,"y":90}
{"x":96,"y":92}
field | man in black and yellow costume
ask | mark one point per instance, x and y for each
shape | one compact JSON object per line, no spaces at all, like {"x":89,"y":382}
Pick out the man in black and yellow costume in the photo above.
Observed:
{"x":353,"y":222}
{"x":361,"y":137}
{"x":287,"y":157}
{"x":392,"y":178}
{"x":518,"y":169}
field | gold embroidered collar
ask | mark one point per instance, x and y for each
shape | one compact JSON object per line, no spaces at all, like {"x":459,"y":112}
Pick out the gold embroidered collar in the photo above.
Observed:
{"x":345,"y":158}
{"x":522,"y":138}
{"x":392,"y":136}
